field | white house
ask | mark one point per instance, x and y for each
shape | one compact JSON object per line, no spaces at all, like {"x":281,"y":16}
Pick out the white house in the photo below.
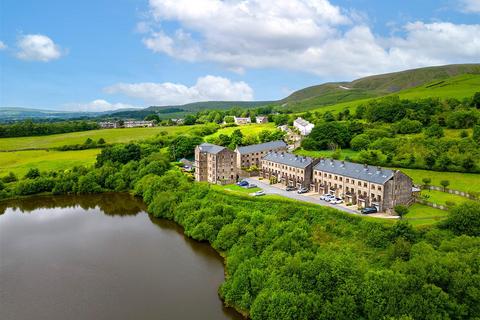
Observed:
{"x":240,"y":121}
{"x":261,"y":119}
{"x":303,"y":126}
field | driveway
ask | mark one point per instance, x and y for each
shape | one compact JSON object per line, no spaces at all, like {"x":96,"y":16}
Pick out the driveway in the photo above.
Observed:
{"x":269,"y":189}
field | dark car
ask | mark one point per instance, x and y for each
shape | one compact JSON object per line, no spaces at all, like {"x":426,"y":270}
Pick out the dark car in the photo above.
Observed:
{"x":242,"y":183}
{"x":302,"y":190}
{"x":369,"y":210}
{"x":290,"y":188}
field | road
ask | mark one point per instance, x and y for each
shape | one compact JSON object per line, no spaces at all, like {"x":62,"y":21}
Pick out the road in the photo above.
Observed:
{"x":269,"y":189}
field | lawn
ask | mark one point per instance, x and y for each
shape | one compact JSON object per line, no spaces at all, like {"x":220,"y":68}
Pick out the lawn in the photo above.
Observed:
{"x":440,"y":197}
{"x":20,"y":162}
{"x":110,"y":136}
{"x":249,"y":129}
{"x":421,"y":215}
{"x":458,"y":180}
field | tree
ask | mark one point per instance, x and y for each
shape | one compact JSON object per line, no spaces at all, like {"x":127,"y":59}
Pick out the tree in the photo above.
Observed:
{"x":10,"y":177}
{"x":33,"y":173}
{"x":445,"y":184}
{"x":464,"y":219}
{"x":360,"y":142}
{"x":326,"y":134}
{"x":101,"y":141}
{"x":229,"y":119}
{"x":153,"y":117}
{"x":401,"y":210}
{"x":476,"y":100}
{"x":476,"y":134}
{"x":434,"y":131}
{"x":236,"y":138}
{"x":189,"y":120}
{"x":426,"y":182}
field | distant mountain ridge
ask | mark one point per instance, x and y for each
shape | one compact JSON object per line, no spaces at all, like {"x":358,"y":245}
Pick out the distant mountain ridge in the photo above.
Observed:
{"x":301,"y":100}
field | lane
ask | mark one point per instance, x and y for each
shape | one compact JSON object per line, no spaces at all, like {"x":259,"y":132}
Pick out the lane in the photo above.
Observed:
{"x":269,"y":189}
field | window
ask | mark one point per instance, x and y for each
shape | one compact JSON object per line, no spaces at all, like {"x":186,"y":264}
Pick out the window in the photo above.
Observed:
{"x":359,"y":183}
{"x":379,"y":188}
{"x":364,"y":184}
{"x":348,"y":180}
{"x":341,"y":178}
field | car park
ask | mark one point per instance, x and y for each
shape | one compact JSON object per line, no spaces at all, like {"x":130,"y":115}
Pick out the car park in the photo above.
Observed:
{"x":302,"y":190}
{"x":290,"y":188}
{"x":369,"y":210}
{"x":259,"y":193}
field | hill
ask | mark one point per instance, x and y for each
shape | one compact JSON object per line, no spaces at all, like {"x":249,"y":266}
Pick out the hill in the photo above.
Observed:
{"x":373,"y":86}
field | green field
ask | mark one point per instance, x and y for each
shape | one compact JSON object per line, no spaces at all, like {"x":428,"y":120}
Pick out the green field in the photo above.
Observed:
{"x":442,"y":198}
{"x":421,"y":215}
{"x":110,"y":136}
{"x":249,"y":129}
{"x":458,"y":181}
{"x":20,"y":162}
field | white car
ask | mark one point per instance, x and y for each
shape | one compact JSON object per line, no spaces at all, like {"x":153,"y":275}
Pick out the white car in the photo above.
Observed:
{"x":336,"y":200}
{"x":259,"y":193}
{"x":327,"y":197}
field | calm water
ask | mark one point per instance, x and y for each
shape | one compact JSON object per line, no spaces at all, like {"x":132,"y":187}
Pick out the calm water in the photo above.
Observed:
{"x":102,"y":257}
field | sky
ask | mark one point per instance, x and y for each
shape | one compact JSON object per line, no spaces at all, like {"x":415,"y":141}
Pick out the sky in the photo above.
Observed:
{"x":97,"y":55}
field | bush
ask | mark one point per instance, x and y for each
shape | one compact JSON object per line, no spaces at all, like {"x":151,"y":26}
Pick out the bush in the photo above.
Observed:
{"x":360,"y":142}
{"x":32,"y":173}
{"x":11,"y":177}
{"x":464,"y":219}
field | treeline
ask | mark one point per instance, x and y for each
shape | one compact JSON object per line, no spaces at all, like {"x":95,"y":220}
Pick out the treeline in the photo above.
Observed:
{"x":29,"y":128}
{"x":404,"y":133}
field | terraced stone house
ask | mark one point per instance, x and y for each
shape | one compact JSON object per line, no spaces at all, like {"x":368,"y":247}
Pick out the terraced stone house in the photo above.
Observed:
{"x":215,"y":164}
{"x":362,"y":185}
{"x":252,"y":155}
{"x":288,"y":169}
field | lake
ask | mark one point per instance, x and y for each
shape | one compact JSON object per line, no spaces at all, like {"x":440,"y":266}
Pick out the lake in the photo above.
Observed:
{"x":102,"y":257}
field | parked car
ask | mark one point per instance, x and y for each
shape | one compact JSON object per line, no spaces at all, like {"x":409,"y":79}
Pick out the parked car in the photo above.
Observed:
{"x":369,"y":210}
{"x":324,"y":196}
{"x":302,"y":190}
{"x":251,"y":186}
{"x":336,"y":200}
{"x":259,"y":193}
{"x":242,"y":183}
{"x":290,"y":188}
{"x":327,"y":197}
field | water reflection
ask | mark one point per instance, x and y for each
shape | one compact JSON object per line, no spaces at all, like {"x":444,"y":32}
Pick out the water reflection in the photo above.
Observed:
{"x":102,"y":257}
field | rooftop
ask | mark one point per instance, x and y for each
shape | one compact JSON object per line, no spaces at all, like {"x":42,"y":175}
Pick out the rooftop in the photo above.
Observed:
{"x":302,"y":122}
{"x":262,"y":147}
{"x":355,"y":170}
{"x":210,"y":148}
{"x":288,"y":159}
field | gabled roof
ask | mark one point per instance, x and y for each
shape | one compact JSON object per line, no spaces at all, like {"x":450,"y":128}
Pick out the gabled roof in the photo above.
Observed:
{"x":210,"y":148}
{"x":302,"y":122}
{"x":272,"y":145}
{"x":355,"y":170}
{"x":289,"y":159}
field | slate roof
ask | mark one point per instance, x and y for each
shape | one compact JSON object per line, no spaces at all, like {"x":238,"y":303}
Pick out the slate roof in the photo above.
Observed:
{"x":355,"y":170}
{"x":210,"y":148}
{"x":262,"y":147}
{"x":302,"y":122}
{"x":289,"y":159}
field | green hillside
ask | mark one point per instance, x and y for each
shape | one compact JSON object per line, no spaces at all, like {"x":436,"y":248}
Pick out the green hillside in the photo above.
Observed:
{"x":380,"y":85}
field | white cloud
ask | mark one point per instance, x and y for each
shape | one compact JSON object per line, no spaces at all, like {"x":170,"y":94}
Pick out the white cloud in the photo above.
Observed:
{"x":98,"y":105}
{"x":206,"y":88}
{"x":305,"y":35}
{"x":37,"y":47}
{"x":472,"y":6}
{"x":3,"y":46}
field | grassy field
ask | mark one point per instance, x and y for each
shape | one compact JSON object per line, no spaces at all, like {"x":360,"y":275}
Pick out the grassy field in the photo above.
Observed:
{"x":442,"y":198}
{"x":250,"y":129}
{"x":458,"y":181}
{"x":421,"y":215}
{"x":110,"y":135}
{"x":20,"y":162}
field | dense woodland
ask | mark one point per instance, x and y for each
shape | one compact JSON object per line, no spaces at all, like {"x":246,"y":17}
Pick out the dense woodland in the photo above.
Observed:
{"x":288,"y":260}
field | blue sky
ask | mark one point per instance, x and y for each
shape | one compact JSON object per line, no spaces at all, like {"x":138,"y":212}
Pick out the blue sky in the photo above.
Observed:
{"x":105,"y":54}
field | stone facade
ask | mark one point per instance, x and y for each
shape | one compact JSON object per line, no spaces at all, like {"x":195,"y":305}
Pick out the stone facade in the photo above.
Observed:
{"x":252,"y":155}
{"x":240,"y":121}
{"x":215,"y":164}
{"x":362,"y":185}
{"x":288,"y":169}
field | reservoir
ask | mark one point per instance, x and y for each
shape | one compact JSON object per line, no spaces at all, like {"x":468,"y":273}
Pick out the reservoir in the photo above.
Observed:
{"x":102,"y":257}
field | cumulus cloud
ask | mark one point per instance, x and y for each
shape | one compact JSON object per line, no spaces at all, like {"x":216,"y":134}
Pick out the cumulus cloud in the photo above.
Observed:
{"x":3,"y":46}
{"x":37,"y":47}
{"x":306,"y":35}
{"x":472,"y":6}
{"x":206,"y":88}
{"x":98,"y":105}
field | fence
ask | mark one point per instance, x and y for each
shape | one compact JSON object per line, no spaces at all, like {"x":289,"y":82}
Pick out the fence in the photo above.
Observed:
{"x":432,"y":204}
{"x":452,"y":191}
